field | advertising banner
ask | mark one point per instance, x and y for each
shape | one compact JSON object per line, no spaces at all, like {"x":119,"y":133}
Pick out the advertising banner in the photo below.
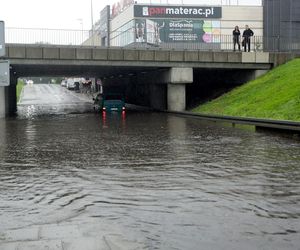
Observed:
{"x":152,"y":11}
{"x":156,"y":31}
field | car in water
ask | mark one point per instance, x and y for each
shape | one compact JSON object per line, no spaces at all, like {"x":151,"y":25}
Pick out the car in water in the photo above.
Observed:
{"x":70,"y":83}
{"x":113,"y":102}
{"x":63,"y":83}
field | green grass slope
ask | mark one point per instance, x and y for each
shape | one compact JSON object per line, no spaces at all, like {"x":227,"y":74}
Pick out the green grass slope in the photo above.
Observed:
{"x":20,"y":86}
{"x":275,"y":95}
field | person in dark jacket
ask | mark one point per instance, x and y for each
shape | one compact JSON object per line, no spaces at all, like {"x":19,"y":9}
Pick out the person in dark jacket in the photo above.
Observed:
{"x":236,"y":37}
{"x":246,"y":38}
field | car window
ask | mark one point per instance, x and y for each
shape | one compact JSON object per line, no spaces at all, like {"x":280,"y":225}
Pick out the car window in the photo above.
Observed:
{"x":113,"y":97}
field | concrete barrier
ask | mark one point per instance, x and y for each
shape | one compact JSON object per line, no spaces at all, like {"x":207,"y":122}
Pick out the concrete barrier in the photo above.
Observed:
{"x":131,"y":55}
{"x":248,"y":57}
{"x":100,"y":54}
{"x":17,"y":52}
{"x":84,"y":54}
{"x":34,"y":53}
{"x":176,"y":56}
{"x":67,"y":53}
{"x":146,"y":55}
{"x":161,"y":55}
{"x":51,"y":53}
{"x":220,"y":57}
{"x":191,"y":56}
{"x":115,"y":54}
{"x":205,"y":56}
{"x":234,"y":57}
{"x":262,"y":57}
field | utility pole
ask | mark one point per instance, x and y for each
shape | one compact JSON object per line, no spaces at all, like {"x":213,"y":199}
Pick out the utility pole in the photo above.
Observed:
{"x":80,"y":20}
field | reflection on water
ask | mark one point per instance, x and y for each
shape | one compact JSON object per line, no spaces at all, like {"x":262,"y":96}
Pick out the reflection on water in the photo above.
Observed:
{"x":32,"y":111}
{"x":170,"y":182}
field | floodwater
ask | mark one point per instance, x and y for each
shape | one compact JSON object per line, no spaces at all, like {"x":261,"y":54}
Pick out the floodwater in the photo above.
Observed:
{"x":165,"y":181}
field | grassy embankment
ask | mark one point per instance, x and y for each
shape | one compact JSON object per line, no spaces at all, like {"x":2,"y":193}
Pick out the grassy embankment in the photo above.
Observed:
{"x":275,"y":95}
{"x":20,"y":86}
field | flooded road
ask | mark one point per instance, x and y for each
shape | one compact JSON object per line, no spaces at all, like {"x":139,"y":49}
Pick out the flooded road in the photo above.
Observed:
{"x":155,"y":180}
{"x":47,"y":99}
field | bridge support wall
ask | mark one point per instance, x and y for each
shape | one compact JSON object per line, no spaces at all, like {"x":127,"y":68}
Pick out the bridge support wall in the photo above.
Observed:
{"x":11,"y":98}
{"x":2,"y":102}
{"x":177,"y":79}
{"x":8,"y":98}
{"x":259,"y":72}
{"x":176,"y":97}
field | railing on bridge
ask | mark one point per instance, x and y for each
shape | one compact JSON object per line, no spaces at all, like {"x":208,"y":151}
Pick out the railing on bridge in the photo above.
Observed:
{"x":45,"y":36}
{"x":148,"y":40}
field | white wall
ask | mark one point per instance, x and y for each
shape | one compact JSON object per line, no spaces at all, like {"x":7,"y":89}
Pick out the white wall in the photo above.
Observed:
{"x":240,"y":16}
{"x":122,"y":18}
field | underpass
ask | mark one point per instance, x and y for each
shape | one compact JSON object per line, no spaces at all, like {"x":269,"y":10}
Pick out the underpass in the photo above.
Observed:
{"x":164,"y":79}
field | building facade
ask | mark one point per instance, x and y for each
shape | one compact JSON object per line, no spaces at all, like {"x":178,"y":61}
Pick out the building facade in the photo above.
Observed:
{"x":282,"y":25}
{"x":183,"y":26}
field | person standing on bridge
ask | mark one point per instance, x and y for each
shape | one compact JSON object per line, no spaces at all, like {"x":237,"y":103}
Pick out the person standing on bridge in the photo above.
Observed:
{"x":236,"y":37}
{"x":246,"y":36}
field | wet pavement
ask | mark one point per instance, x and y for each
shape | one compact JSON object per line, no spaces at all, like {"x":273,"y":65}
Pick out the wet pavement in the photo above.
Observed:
{"x":47,"y":99}
{"x":145,"y":181}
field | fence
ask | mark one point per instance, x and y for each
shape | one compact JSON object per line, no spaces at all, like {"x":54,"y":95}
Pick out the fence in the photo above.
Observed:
{"x":46,"y":36}
{"x":129,"y":38}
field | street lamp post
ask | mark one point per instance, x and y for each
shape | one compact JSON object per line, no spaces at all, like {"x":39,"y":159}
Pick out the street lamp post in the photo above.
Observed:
{"x":92,"y":20}
{"x":80,"y":20}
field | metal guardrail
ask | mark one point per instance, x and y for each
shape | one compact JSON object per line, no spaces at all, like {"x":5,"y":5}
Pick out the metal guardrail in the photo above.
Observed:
{"x":282,"y":125}
{"x":129,"y":38}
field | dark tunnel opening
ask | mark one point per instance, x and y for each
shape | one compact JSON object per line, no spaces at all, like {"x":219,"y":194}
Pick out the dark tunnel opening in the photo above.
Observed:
{"x":209,"y":84}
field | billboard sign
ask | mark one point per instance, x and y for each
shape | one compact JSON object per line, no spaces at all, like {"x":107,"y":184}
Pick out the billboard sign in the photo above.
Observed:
{"x":156,"y":31}
{"x":158,"y":11}
{"x":4,"y":73}
{"x":2,"y":39}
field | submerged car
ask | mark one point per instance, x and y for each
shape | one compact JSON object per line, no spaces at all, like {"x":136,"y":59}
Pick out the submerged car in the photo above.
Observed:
{"x":63,"y":83}
{"x":113,"y":102}
{"x":73,"y":83}
{"x":70,"y":83}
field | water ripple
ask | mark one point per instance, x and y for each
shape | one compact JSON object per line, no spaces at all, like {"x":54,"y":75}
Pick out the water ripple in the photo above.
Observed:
{"x":172,"y":182}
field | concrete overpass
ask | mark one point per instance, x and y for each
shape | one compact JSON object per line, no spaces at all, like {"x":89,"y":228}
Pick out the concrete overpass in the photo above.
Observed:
{"x":164,"y":73}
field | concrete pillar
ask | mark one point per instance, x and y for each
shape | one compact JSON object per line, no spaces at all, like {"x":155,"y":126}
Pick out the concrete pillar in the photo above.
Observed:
{"x":177,"y":80}
{"x":11,"y":99}
{"x":176,"y":97}
{"x":251,"y":75}
{"x":10,"y":96}
{"x":2,"y":102}
{"x":259,"y":72}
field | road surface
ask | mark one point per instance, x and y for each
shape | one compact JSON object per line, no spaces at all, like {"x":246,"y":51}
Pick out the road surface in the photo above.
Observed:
{"x":45,"y":99}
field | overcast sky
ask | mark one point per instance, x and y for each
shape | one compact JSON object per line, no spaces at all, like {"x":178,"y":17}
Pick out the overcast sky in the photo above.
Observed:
{"x":67,"y":14}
